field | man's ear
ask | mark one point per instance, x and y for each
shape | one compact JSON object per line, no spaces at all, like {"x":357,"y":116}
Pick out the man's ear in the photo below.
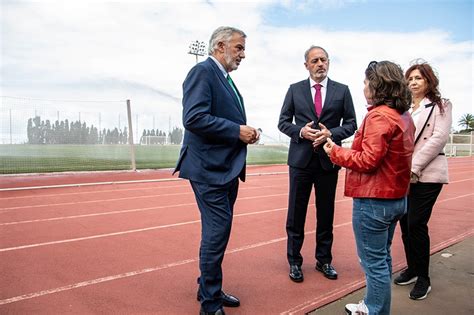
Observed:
{"x":221,"y":46}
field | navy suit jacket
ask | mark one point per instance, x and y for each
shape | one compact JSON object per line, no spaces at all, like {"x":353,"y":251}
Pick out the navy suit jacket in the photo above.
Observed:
{"x":338,"y":115}
{"x":212,"y":152}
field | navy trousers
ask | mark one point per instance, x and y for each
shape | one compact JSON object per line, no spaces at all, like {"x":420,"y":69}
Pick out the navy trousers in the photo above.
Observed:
{"x":216,"y":204}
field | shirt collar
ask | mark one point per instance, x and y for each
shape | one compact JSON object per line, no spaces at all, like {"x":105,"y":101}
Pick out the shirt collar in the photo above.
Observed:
{"x":324,"y":82}
{"x":423,"y":102}
{"x":221,"y":67}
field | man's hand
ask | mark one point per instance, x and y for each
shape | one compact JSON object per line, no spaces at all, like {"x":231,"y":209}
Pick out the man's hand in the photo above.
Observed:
{"x":248,"y":134}
{"x":308,"y":132}
{"x":321,"y":136}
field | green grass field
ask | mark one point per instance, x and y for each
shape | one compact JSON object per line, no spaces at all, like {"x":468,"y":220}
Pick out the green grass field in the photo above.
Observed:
{"x":20,"y":158}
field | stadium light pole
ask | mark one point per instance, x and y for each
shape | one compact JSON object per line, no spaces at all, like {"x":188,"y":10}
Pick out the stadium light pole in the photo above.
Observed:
{"x":197,"y":48}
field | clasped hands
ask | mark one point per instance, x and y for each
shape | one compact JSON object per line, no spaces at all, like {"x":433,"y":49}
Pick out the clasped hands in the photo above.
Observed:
{"x":317,"y":136}
{"x":248,"y":134}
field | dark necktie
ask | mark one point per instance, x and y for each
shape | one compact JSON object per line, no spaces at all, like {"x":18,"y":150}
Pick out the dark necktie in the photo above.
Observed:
{"x":229,"y":79}
{"x":318,"y":102}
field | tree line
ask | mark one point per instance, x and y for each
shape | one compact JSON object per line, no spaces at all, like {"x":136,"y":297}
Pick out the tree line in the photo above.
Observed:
{"x":77,"y":132}
{"x":174,"y":137}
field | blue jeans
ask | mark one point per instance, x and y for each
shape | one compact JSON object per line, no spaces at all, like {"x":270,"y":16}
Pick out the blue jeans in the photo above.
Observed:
{"x":374,"y":221}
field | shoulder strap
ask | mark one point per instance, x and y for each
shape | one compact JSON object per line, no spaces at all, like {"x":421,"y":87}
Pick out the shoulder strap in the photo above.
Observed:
{"x":428,"y":118}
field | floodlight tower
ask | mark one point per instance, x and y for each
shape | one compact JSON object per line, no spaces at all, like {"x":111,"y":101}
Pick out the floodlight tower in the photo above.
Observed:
{"x":197,"y":48}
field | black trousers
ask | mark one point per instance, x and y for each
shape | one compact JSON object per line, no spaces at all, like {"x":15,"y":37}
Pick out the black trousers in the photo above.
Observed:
{"x":302,"y":181}
{"x":414,"y":226}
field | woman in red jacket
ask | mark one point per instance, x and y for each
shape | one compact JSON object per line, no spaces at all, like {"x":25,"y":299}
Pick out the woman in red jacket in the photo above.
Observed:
{"x":377,"y":178}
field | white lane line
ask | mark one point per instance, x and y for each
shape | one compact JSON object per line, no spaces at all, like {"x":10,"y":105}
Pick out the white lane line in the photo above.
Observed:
{"x":453,"y":198}
{"x":95,"y":192}
{"x":125,"y":211}
{"x":48,"y":205}
{"x":126,"y":232}
{"x":91,"y":184}
{"x":165,"y":266}
{"x":88,"y":202}
{"x":96,"y":236}
{"x":142,"y":271}
{"x":120,"y":182}
{"x":94,"y":281}
{"x":175,"y":224}
{"x":97,"y":214}
{"x":183,"y":184}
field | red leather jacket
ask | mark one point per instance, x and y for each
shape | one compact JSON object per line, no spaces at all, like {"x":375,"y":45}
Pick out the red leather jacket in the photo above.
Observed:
{"x":379,"y":162}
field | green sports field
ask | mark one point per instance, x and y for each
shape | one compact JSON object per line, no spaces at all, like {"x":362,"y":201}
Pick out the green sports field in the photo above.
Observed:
{"x":22,"y":158}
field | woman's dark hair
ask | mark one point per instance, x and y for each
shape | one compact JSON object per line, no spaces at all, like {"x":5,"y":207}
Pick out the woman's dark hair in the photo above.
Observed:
{"x":432,"y":82}
{"x":388,"y":86}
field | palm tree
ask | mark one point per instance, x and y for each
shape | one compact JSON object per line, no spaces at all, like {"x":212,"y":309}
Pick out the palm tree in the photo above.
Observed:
{"x":467,"y":120}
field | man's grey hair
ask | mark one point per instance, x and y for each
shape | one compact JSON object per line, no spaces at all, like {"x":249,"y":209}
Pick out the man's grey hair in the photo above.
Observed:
{"x":306,"y":53}
{"x":222,"y":34}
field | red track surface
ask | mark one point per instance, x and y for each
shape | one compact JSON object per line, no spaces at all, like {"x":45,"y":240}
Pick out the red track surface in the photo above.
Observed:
{"x":132,"y":248}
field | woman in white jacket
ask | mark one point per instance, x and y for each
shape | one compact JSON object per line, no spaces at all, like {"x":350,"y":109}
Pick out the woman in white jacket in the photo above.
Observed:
{"x":432,"y":116}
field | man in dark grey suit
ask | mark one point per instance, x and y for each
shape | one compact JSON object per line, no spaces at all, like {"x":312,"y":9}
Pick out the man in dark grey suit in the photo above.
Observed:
{"x":213,"y":156}
{"x":313,"y":110}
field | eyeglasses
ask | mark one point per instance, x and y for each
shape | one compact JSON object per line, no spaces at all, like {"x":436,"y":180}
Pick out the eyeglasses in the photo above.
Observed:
{"x":372,"y":65}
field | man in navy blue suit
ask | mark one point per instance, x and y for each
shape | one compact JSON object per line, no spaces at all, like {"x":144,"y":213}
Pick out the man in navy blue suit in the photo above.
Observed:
{"x":213,"y":156}
{"x":313,"y":110}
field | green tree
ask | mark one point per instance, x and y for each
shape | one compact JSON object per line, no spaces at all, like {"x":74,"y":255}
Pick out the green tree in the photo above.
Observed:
{"x":467,"y":120}
{"x":176,"y":135}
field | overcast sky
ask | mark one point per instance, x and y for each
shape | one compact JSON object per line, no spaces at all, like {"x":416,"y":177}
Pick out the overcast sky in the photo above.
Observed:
{"x":138,"y":50}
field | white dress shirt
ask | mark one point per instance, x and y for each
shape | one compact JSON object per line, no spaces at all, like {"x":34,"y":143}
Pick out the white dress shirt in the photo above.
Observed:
{"x":324,"y":84}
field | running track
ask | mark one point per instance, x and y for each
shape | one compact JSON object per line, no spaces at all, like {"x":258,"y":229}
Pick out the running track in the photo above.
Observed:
{"x":127,"y":243}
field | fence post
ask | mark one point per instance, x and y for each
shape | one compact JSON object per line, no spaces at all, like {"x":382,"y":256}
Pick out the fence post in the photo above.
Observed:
{"x":470,"y":144}
{"x":130,"y":136}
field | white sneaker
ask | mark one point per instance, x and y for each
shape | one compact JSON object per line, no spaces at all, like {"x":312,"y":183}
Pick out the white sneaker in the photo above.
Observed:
{"x":357,"y":309}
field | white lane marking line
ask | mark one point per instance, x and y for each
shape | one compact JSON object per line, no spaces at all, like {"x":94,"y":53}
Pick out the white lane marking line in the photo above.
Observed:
{"x":142,"y":271}
{"x":109,"y":200}
{"x":118,"y":199}
{"x":97,"y":214}
{"x":126,"y":211}
{"x":94,"y":281}
{"x":96,"y":236}
{"x":120,"y":182}
{"x":183,"y":184}
{"x":453,"y":198}
{"x":146,"y":196}
{"x":126,"y":232}
{"x":91,"y":184}
{"x":166,"y":226}
{"x":94,"y":192}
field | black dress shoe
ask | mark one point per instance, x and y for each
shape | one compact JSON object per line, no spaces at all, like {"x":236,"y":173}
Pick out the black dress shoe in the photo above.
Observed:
{"x":296,"y":274}
{"x":218,"y":312}
{"x":327,"y":270}
{"x":228,"y":300}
